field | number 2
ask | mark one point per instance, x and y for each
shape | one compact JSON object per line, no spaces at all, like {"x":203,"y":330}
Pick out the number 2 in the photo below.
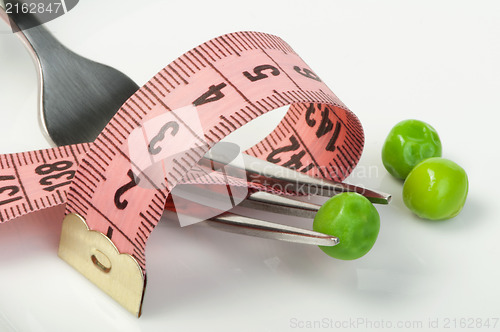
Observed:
{"x":122,"y":204}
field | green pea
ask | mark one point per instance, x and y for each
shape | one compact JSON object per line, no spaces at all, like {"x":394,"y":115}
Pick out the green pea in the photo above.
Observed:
{"x":436,"y":189}
{"x":408,"y":143}
{"x":353,"y":220}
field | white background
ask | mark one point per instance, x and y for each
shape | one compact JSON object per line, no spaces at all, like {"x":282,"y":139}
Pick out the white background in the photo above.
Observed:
{"x":437,"y":61}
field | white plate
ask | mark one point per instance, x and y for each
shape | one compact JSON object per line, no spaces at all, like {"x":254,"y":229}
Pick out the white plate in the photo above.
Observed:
{"x":388,"y":61}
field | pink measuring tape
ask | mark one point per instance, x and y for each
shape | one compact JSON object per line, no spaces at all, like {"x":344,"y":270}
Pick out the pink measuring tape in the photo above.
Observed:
{"x":118,"y":185}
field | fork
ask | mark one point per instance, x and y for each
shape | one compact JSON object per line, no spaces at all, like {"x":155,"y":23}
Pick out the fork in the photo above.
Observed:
{"x":77,"y":96}
{"x":276,"y":176}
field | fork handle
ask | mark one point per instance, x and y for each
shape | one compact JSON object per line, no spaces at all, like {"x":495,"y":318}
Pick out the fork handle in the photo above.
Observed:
{"x":34,"y":35}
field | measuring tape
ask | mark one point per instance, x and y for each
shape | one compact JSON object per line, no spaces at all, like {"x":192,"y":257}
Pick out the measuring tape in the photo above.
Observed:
{"x":116,"y":188}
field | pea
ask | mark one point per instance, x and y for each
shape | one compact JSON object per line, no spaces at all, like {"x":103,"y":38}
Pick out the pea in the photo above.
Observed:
{"x":408,"y":143}
{"x":436,"y":189}
{"x":351,"y":218}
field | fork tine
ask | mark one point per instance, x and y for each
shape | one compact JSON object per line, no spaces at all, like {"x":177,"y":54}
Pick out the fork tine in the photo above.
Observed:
{"x":268,"y":202}
{"x":204,"y":196}
{"x":260,"y":171}
{"x":230,"y":222}
{"x":255,"y":227}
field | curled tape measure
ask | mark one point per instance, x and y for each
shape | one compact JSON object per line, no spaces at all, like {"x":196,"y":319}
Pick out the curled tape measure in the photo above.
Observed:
{"x":116,"y":188}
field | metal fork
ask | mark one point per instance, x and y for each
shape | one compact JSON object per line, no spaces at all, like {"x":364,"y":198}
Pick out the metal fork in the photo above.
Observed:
{"x":263,"y":172}
{"x":77,"y":96}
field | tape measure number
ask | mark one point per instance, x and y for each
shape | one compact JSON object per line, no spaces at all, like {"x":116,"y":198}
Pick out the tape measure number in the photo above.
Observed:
{"x":119,"y":184}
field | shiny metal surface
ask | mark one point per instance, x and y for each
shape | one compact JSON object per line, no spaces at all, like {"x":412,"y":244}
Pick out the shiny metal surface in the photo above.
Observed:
{"x":254,"y":227}
{"x":207,"y":207}
{"x":268,"y":202}
{"x":261,"y":171}
{"x":77,"y":96}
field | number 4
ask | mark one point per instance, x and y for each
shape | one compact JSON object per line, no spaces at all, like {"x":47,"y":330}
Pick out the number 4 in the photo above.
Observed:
{"x":214,"y":93}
